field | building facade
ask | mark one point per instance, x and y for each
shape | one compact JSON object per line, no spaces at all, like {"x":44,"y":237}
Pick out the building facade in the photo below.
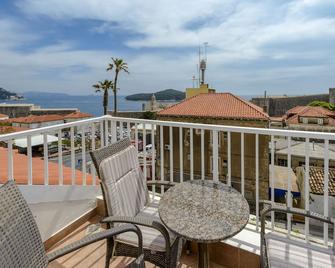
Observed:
{"x":221,"y":109}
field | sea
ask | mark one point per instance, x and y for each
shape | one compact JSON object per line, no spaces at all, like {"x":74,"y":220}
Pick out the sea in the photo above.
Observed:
{"x":85,"y":103}
{"x":89,"y":104}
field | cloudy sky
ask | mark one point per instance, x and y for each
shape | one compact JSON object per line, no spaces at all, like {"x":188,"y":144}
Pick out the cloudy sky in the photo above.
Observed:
{"x":280,"y":46}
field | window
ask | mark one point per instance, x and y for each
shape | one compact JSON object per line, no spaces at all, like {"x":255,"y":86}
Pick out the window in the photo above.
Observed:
{"x":320,"y":121}
{"x":282,"y":162}
{"x":305,"y":120}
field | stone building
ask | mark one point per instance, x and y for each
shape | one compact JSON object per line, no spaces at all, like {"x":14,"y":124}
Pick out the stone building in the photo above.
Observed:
{"x":309,"y":118}
{"x":221,"y":109}
{"x":278,"y":105}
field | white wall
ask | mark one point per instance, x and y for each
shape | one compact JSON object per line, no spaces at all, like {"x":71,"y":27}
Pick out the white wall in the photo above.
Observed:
{"x":316,"y":205}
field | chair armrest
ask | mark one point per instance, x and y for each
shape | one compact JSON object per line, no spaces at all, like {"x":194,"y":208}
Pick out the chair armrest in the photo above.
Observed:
{"x":278,"y":207}
{"x":92,"y":238}
{"x":161,"y":183}
{"x":142,"y":221}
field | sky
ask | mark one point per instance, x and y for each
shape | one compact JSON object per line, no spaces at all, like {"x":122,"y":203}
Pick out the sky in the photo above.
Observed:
{"x":282,"y":46}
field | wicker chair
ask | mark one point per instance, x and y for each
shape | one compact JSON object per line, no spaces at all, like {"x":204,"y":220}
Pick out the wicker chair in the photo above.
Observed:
{"x":279,"y":251}
{"x":20,"y":241}
{"x":127,"y":201}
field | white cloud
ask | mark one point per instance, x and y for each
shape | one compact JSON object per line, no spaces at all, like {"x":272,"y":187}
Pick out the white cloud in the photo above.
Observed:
{"x":238,"y":32}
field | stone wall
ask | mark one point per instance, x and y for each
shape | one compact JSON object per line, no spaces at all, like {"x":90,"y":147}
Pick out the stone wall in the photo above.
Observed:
{"x":277,"y":106}
{"x":249,"y":155}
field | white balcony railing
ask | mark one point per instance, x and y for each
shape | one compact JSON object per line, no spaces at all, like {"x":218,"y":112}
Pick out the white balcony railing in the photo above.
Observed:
{"x":90,"y":134}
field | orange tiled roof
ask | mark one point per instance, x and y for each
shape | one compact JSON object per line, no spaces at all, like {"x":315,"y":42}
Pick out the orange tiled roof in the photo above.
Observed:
{"x":292,"y":115}
{"x":3,"y":116}
{"x":316,"y":180}
{"x":11,"y":129}
{"x":21,"y":170}
{"x":77,"y":115}
{"x":216,"y":105}
{"x":36,"y":118}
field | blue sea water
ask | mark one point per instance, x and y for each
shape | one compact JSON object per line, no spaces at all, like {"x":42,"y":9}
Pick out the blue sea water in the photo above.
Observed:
{"x":90,"y":103}
{"x":85,"y":103}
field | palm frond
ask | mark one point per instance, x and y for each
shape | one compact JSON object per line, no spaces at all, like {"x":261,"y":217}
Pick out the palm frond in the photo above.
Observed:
{"x":110,"y":67}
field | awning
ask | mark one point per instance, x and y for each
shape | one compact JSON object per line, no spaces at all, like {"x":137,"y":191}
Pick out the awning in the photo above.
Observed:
{"x":35,"y":140}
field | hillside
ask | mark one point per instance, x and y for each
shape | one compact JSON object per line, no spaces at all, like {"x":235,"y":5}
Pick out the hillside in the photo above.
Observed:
{"x":165,"y":95}
{"x":5,"y":94}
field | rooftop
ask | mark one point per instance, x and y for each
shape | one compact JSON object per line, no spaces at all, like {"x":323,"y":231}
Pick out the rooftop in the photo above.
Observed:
{"x":36,"y":119}
{"x":77,"y":115}
{"x":11,"y":129}
{"x":316,"y":180}
{"x":216,"y":105}
{"x":292,"y":115}
{"x":21,"y":170}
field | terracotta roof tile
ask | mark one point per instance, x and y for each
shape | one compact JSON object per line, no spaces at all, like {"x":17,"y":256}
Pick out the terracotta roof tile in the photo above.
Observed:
{"x":77,"y":115}
{"x":216,"y":105}
{"x":316,"y":180}
{"x":11,"y":129}
{"x":292,"y":115}
{"x":36,"y":118}
{"x":21,"y":170}
{"x":3,"y":116}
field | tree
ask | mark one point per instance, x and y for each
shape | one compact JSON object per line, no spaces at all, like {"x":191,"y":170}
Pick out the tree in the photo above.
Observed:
{"x":323,"y":104}
{"x":119,"y":65}
{"x":104,"y":87}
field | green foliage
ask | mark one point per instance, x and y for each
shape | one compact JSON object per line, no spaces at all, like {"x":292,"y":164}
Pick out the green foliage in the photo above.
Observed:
{"x":323,"y":104}
{"x":149,"y":115}
{"x":5,"y":94}
{"x":167,"y":94}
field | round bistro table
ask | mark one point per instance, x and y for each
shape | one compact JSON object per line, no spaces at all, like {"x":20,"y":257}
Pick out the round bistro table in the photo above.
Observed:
{"x":205,"y":212}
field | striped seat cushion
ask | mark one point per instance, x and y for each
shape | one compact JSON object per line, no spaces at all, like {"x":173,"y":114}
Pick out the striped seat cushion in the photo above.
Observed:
{"x":123,"y":183}
{"x":152,"y":239}
{"x":283,"y":252}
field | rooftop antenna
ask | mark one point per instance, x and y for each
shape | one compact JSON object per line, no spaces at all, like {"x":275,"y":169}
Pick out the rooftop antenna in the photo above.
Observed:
{"x":198,"y":66}
{"x":205,"y":47}
{"x":193,"y":80}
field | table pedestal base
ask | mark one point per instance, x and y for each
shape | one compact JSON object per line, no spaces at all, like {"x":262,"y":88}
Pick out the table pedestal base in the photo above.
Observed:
{"x":203,"y":256}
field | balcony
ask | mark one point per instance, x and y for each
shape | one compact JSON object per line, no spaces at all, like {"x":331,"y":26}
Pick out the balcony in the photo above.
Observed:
{"x":57,"y":178}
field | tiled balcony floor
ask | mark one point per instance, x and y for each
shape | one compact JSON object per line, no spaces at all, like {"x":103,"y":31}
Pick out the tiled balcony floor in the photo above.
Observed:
{"x":94,"y":254}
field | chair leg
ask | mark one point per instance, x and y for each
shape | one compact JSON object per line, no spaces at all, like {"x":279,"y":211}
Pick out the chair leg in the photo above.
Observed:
{"x":109,"y":251}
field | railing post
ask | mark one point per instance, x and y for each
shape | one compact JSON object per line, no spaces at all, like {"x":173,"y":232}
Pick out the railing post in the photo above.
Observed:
{"x":73,"y":157}
{"x":10,"y":166}
{"x":46,"y":158}
{"x":326,"y":191}
{"x":181,"y":155}
{"x":215,"y":156}
{"x":30,"y":162}
{"x":60,"y":158}
{"x":161,"y":137}
{"x":113,"y":131}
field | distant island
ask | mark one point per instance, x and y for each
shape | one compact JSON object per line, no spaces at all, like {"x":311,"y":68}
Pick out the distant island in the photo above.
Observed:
{"x":164,"y":95}
{"x":7,"y":95}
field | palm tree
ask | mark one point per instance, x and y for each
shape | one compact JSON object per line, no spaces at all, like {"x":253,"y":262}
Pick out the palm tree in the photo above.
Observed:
{"x":104,"y":87}
{"x":119,"y":66}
